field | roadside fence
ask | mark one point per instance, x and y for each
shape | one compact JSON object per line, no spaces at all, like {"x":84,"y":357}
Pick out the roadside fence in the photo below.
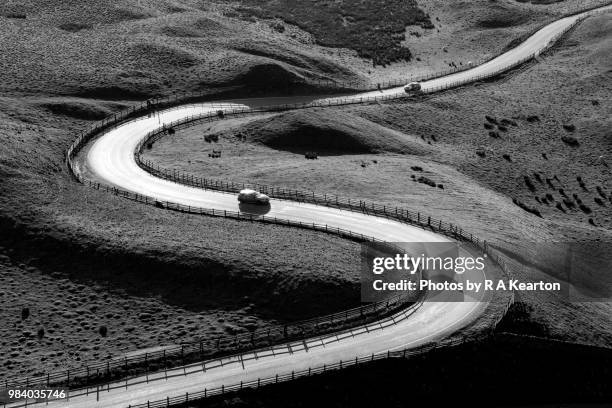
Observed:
{"x":201,"y":368}
{"x":321,"y":369}
{"x":305,"y":344}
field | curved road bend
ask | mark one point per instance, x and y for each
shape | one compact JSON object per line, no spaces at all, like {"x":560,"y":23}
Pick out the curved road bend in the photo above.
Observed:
{"x":111,"y":159}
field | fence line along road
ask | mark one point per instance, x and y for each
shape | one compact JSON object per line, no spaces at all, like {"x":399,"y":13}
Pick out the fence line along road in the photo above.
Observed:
{"x":209,"y":392}
{"x":118,"y":118}
{"x":287,"y":348}
{"x":131,"y":366}
{"x":260,"y":382}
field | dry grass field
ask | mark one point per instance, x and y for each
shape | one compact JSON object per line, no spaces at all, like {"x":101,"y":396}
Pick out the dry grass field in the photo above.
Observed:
{"x":78,"y":260}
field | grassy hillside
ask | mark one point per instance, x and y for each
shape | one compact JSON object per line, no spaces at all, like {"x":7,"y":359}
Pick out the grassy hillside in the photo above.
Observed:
{"x":79,"y":260}
{"x":134,"y":50}
{"x":319,"y":131}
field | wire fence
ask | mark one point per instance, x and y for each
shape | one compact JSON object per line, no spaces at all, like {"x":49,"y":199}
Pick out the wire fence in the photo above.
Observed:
{"x":240,"y":360}
{"x":292,"y":375}
{"x":402,"y":215}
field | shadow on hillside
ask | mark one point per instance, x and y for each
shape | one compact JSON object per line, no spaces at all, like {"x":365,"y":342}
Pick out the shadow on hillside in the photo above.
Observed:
{"x":201,"y":285}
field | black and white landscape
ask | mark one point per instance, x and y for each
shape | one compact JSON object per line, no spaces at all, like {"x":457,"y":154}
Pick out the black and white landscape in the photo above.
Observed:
{"x":190,"y":191}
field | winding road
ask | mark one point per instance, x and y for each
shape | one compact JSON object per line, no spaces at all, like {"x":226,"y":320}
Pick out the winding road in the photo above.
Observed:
{"x":110,"y":159}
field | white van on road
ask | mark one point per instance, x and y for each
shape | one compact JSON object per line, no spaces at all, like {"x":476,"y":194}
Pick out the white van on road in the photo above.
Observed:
{"x":253,"y":197}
